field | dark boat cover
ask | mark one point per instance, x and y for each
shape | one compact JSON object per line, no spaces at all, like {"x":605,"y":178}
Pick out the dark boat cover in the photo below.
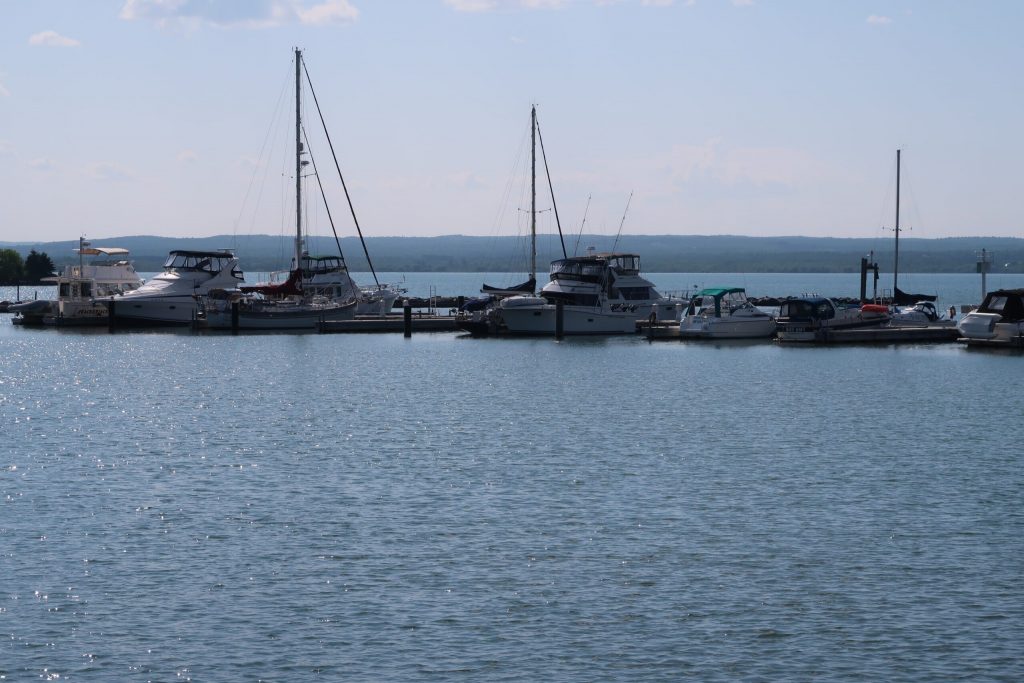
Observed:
{"x":477,"y":304}
{"x":528,"y":287}
{"x":1009,"y":303}
{"x":289,"y":286}
{"x":901,"y":298}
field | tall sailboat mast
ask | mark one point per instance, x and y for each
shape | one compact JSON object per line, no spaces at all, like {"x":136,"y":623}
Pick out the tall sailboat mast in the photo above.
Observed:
{"x":533,"y":192}
{"x":896,"y":260}
{"x":298,"y":158}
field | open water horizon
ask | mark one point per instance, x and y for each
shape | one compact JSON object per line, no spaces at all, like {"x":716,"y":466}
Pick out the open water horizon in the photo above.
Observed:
{"x":178,"y":506}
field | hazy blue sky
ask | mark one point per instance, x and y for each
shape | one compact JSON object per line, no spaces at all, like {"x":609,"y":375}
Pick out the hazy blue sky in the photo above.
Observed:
{"x":753,"y":117}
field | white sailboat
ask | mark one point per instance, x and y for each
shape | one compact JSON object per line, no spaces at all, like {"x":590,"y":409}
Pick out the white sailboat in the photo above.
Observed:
{"x":599,"y":293}
{"x":290,"y":305}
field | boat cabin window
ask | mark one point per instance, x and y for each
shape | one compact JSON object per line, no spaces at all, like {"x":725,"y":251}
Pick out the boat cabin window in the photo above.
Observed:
{"x":1009,"y":305}
{"x":638,"y":293}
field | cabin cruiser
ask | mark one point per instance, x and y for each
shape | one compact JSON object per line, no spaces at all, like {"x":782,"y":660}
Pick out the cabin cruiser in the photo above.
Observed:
{"x":921,"y":314}
{"x":78,"y":287}
{"x":600,"y":293}
{"x":328,"y":276}
{"x":804,"y":319}
{"x":172,"y":297}
{"x":999,"y":321}
{"x":725,"y":313}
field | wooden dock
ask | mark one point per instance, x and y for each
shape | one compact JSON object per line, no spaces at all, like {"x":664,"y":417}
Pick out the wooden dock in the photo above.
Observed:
{"x":888,"y":335}
{"x":390,"y":323}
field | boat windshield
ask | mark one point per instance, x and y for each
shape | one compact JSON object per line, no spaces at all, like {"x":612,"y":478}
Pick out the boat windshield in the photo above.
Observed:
{"x":817,"y":309}
{"x":205,"y":261}
{"x":1008,"y":304}
{"x":625,"y":264}
{"x":312,"y":265}
{"x":581,"y":270}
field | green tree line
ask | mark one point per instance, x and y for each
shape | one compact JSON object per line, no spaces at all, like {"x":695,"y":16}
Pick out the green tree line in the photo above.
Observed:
{"x":28,"y":271}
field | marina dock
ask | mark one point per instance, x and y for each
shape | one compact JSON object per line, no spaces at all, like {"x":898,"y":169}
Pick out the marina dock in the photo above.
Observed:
{"x":390,"y":323}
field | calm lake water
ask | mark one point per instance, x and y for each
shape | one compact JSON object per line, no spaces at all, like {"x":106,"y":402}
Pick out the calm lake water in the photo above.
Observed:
{"x":372,"y":508}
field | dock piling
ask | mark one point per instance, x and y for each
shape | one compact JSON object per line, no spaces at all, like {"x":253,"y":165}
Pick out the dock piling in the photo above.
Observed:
{"x":407,"y":316}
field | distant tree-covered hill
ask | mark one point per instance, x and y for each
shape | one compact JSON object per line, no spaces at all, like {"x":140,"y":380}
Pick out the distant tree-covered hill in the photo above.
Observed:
{"x":659,"y":253}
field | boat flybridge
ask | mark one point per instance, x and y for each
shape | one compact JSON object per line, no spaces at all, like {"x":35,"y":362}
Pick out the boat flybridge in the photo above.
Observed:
{"x":171,"y":298}
{"x":600,"y":293}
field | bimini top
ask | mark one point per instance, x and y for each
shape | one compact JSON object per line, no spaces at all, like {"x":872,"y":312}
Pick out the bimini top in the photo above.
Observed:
{"x":592,"y":266}
{"x":719,"y":292}
{"x":1009,"y":303}
{"x":102,"y":251}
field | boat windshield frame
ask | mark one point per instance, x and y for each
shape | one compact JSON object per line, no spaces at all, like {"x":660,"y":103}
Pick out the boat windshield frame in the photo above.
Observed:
{"x":205,"y":261}
{"x":308,"y":267}
{"x":579,"y":270}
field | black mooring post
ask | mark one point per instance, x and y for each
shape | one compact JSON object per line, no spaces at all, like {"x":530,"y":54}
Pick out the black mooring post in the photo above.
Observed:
{"x":559,"y":320}
{"x":407,"y":315}
{"x":111,"y":320}
{"x":234,"y":317}
{"x":863,"y":280}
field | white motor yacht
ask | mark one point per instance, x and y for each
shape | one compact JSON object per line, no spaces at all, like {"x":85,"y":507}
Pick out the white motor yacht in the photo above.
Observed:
{"x":171,"y":298}
{"x":599,"y":293}
{"x":78,"y":287}
{"x":999,"y":321}
{"x":725,"y":313}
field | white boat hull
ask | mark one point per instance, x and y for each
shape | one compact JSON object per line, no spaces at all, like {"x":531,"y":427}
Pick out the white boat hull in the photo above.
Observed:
{"x":702,"y":327}
{"x":177,"y":310}
{"x":986,"y":328}
{"x":576,"y":320}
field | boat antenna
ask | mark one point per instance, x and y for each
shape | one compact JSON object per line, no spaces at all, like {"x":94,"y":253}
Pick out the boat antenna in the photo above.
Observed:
{"x":351,"y":208}
{"x":551,"y":189}
{"x":323,"y":195}
{"x":576,"y":248}
{"x":625,"y":211}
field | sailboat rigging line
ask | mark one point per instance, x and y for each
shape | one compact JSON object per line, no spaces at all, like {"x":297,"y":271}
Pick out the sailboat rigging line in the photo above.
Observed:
{"x":551,"y":189}
{"x":576,"y":249}
{"x":323,"y":195}
{"x":344,"y":186}
{"x":619,"y":233}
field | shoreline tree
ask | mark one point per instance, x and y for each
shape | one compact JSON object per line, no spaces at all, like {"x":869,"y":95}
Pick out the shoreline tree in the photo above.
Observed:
{"x":12,"y":270}
{"x":37,"y":266}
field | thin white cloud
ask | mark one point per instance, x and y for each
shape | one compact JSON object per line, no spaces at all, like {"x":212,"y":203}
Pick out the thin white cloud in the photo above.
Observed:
{"x":109,"y":172}
{"x":658,"y":3}
{"x":5,"y":147}
{"x":256,"y":14}
{"x":717,"y":161}
{"x":52,"y":39}
{"x":187,"y":156}
{"x":743,"y":3}
{"x":4,"y":92}
{"x":490,"y":5}
{"x":879,"y":20}
{"x":42,"y":164}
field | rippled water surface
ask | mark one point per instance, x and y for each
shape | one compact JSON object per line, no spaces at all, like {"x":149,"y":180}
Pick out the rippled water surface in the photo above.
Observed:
{"x":367,"y":508}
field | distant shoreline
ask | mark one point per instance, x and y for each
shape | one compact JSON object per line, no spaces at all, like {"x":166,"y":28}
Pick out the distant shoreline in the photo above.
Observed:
{"x":658,"y":253}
